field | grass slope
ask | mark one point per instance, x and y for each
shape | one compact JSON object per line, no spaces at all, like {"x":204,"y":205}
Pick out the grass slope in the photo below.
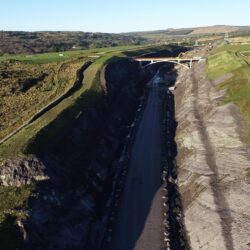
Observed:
{"x":228,"y":59}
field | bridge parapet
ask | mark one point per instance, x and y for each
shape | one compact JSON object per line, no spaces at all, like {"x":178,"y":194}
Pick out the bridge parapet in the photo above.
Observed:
{"x":177,"y":60}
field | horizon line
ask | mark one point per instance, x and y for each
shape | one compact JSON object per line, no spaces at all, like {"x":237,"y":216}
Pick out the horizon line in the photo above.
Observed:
{"x":124,"y":32}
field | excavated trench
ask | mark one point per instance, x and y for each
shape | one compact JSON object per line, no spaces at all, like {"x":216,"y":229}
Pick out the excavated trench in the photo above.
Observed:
{"x":78,"y":205}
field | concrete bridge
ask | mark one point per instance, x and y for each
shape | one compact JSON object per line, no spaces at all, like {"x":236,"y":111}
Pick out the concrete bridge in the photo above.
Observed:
{"x":185,"y":62}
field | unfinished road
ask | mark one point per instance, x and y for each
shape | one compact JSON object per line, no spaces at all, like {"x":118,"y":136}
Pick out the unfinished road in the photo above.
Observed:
{"x":139,"y":223}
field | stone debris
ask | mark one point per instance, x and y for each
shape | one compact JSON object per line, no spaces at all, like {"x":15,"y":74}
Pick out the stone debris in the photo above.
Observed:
{"x":22,"y":172}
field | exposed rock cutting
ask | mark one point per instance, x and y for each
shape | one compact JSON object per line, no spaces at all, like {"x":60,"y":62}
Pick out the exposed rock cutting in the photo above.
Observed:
{"x":212,"y":159}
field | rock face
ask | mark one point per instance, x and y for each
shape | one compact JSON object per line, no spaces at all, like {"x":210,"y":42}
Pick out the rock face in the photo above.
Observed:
{"x":22,"y":172}
{"x":212,"y":160}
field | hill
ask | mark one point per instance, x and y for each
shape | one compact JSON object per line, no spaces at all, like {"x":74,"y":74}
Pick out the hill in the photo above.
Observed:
{"x":214,"y":29}
{"x":21,"y":42}
{"x":180,"y":35}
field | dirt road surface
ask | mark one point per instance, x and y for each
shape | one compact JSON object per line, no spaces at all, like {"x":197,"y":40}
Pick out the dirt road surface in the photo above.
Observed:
{"x":139,"y":223}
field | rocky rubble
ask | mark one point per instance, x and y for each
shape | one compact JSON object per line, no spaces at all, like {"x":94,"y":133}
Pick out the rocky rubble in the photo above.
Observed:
{"x":212,"y":160}
{"x":21,"y":172}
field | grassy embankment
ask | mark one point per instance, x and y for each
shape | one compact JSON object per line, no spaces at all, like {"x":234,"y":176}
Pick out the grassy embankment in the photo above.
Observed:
{"x":229,"y":59}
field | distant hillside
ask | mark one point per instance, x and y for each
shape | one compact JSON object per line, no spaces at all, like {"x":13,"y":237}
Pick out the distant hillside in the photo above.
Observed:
{"x":214,"y":29}
{"x":12,"y":42}
{"x":39,"y":42}
{"x":168,"y":34}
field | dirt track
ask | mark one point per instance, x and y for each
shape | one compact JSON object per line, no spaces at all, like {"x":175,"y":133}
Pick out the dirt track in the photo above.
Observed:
{"x":139,"y":224}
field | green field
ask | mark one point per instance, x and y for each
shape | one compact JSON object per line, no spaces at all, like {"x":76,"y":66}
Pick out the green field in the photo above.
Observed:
{"x":66,"y":55}
{"x":228,"y":59}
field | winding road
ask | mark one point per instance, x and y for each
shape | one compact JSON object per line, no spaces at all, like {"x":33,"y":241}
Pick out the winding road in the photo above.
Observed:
{"x":139,"y":223}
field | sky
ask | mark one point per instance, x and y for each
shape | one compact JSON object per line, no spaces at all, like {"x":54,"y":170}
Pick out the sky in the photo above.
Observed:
{"x":116,"y":16}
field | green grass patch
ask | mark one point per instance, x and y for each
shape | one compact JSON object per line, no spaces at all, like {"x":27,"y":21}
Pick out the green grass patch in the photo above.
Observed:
{"x":228,"y":59}
{"x":12,"y":208}
{"x":15,"y":199}
{"x":222,"y":63}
